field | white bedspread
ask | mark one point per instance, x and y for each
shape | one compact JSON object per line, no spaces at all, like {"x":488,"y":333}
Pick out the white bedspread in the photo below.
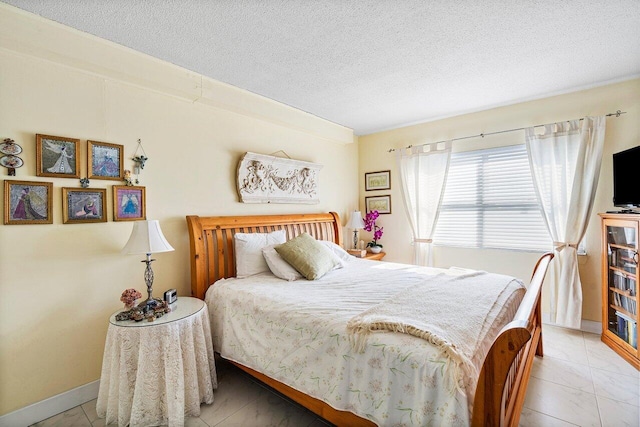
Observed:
{"x":295,"y":332}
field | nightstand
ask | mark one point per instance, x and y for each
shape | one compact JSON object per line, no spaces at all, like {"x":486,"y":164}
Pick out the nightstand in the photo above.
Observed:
{"x":156,"y":373}
{"x":374,"y":257}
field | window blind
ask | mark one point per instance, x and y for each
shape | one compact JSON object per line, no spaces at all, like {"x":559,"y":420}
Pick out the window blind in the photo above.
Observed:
{"x":489,"y":202}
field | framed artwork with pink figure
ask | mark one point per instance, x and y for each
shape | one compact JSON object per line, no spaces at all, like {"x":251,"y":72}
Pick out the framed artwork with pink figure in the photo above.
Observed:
{"x":27,"y":202}
{"x":129,"y":203}
{"x":80,"y":205}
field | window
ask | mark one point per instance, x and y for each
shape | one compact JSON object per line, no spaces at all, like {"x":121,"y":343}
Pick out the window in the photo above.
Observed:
{"x":489,"y":202}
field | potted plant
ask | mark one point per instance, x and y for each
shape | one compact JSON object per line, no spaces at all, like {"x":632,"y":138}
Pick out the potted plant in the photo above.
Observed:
{"x":129,"y":298}
{"x":370,"y":225}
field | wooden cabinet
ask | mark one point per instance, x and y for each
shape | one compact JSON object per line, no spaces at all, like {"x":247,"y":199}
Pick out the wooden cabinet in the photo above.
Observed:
{"x":620,"y":284}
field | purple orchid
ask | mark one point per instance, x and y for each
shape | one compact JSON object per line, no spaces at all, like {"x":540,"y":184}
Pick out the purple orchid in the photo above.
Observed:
{"x":370,"y":225}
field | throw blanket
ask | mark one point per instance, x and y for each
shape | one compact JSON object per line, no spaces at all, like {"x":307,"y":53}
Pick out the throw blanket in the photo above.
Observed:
{"x":447,"y":311}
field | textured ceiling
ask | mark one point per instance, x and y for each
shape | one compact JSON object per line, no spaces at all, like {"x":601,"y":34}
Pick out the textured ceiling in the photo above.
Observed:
{"x":374,"y":65}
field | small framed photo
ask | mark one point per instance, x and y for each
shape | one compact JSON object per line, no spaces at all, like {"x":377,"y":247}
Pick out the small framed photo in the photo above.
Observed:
{"x":57,"y":156}
{"x":382,"y":204}
{"x":105,"y":161}
{"x":377,"y":180}
{"x":129,"y":203}
{"x":81,"y":205}
{"x":27,"y":202}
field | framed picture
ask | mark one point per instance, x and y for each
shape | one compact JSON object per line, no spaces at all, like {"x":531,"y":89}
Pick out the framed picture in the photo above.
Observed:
{"x":105,"y":161}
{"x":129,"y":203}
{"x":377,"y":181}
{"x":382,"y":204}
{"x":27,"y":202}
{"x":57,"y":156}
{"x":84,"y":205}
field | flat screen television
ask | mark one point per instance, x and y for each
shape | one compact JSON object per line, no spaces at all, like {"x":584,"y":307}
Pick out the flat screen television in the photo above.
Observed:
{"x":626,"y":186}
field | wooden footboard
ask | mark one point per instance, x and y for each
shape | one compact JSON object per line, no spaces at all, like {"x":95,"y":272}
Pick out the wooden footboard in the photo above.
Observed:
{"x":505,"y":373}
{"x":506,"y":370}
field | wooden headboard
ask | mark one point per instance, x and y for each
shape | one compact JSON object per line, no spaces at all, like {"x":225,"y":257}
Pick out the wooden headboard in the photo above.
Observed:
{"x":211,"y":240}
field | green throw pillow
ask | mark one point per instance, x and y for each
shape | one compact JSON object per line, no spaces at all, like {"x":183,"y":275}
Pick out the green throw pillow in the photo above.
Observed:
{"x":312,"y":259}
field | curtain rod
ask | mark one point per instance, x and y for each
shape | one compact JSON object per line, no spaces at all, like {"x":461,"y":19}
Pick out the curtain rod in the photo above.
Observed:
{"x":482,"y":135}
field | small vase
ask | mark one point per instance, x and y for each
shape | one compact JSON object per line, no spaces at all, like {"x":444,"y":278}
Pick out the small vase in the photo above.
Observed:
{"x":130,"y":306}
{"x":375,"y":249}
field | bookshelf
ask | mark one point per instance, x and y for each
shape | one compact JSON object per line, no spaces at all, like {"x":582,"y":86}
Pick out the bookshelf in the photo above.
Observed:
{"x":620,"y":284}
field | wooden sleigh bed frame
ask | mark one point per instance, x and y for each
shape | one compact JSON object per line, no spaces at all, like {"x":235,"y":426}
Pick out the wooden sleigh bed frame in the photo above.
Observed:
{"x":505,"y":373}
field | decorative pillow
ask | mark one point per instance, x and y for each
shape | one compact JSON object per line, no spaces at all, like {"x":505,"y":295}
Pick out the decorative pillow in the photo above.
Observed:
{"x":248,"y":248}
{"x":311,"y":258}
{"x":279,"y":267}
{"x":338,"y":251}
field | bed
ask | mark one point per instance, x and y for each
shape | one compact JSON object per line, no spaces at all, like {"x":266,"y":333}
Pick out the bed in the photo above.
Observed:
{"x":503,"y":374}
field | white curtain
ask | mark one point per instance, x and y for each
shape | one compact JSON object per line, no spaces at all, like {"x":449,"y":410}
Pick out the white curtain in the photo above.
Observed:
{"x":423,"y":175}
{"x":565,"y":165}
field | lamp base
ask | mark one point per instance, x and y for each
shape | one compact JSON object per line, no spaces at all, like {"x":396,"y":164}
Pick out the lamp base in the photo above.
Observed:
{"x":355,"y":239}
{"x":150,"y":302}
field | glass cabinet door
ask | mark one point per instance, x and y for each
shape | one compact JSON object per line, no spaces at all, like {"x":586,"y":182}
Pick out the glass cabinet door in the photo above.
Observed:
{"x":622,"y":310}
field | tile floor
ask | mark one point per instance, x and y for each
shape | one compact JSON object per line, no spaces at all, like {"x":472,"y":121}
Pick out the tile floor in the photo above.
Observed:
{"x":579,"y":382}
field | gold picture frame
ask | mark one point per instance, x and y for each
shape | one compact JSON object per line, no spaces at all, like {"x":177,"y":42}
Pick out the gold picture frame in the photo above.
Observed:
{"x":82,"y":205}
{"x":129,"y":203}
{"x":105,"y":160}
{"x":27,"y":202}
{"x":380,"y":180}
{"x":57,"y":156}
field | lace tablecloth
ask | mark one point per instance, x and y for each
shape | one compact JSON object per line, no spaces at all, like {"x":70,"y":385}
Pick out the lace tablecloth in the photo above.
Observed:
{"x":157,"y":373}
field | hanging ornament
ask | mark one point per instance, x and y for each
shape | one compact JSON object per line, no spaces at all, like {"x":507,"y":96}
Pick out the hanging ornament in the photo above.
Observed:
{"x":10,"y":160}
{"x":139,"y":160}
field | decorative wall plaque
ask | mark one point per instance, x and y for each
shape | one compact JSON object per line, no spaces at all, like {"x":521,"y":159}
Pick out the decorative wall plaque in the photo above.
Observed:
{"x":10,"y":160}
{"x":269,"y":179}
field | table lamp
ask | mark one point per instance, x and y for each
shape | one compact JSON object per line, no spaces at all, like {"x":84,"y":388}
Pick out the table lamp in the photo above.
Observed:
{"x":355,"y":223}
{"x":147,"y":238}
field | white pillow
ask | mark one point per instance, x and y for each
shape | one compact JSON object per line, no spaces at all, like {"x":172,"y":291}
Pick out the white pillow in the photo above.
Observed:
{"x":278,"y":266}
{"x":338,"y":251}
{"x":248,"y":247}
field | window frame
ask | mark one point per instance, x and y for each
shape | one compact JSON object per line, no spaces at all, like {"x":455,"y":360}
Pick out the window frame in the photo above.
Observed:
{"x":481,"y":206}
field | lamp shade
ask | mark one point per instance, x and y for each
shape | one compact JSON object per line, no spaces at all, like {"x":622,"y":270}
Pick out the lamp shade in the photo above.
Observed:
{"x":355,"y":222}
{"x":146,"y":238}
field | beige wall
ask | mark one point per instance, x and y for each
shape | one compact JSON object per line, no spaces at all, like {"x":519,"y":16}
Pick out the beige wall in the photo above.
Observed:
{"x":621,"y":133}
{"x":59,"y":283}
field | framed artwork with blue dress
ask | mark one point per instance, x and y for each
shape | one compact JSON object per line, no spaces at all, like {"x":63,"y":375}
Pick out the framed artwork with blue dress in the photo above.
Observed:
{"x":129,"y":203}
{"x":105,"y":160}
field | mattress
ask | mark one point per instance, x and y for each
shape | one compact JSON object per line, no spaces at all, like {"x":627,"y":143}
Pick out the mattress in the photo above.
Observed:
{"x":295,"y":332}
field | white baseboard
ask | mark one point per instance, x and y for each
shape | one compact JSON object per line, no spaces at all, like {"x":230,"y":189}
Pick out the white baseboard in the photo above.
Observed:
{"x":591,"y":326}
{"x":52,"y":406}
{"x":585,"y":326}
